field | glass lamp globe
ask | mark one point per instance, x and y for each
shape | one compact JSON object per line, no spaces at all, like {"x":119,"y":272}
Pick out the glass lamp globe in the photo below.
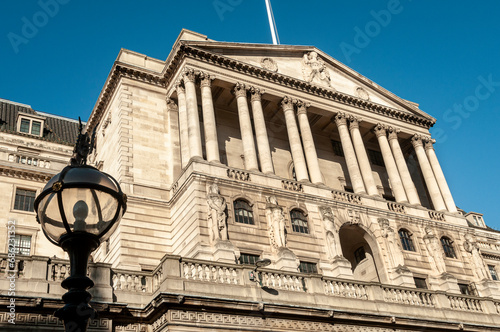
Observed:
{"x":80,"y":200}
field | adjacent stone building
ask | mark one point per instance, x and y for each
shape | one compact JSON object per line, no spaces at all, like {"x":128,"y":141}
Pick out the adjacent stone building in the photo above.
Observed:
{"x":233,"y":155}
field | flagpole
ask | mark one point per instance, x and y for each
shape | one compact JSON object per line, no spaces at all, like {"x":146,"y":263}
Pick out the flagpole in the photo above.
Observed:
{"x":272,"y":23}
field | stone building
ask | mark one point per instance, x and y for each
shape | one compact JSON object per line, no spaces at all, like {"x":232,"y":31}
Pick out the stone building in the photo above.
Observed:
{"x":233,"y":154}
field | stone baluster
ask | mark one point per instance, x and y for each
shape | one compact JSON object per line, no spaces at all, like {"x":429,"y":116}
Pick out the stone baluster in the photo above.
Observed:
{"x":211,"y":142}
{"x":364,"y":163}
{"x":350,"y":156}
{"x":429,"y":178}
{"x":246,"y":128}
{"x":390,"y":164}
{"x":266,"y":162}
{"x":308,"y":141}
{"x":441,"y":180}
{"x":195,"y":149}
{"x":299,"y":161}
{"x":411,"y":190}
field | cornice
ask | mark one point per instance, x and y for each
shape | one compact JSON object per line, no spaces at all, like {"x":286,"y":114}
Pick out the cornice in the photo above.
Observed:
{"x":25,"y":174}
{"x":184,"y":51}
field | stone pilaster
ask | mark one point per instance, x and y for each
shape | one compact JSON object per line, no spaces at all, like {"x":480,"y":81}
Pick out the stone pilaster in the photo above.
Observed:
{"x":211,"y":142}
{"x":390,"y":164}
{"x":183,"y":124}
{"x":246,"y":128}
{"x":266,"y":162}
{"x":294,"y":138}
{"x":308,"y":141}
{"x":350,"y":156}
{"x":441,"y":180}
{"x":195,"y":149}
{"x":404,"y":173}
{"x":364,"y":163}
{"x":429,"y":178}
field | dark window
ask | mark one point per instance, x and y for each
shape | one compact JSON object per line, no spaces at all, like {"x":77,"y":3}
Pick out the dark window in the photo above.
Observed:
{"x":466,"y":289}
{"x":448,"y":247}
{"x":294,"y":174}
{"x":359,"y":254}
{"x":24,"y":200}
{"x":493,"y":272}
{"x":35,"y":128}
{"x":348,"y":189}
{"x":406,"y":240}
{"x":22,"y":244}
{"x":25,"y":126}
{"x":337,"y":148}
{"x":299,"y":221}
{"x":376,"y":158}
{"x":389,"y":198}
{"x":420,"y":283}
{"x":307,"y":267}
{"x":248,"y":259}
{"x":243,"y":212}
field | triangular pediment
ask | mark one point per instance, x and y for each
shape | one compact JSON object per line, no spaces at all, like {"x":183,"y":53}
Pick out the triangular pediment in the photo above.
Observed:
{"x":308,"y":64}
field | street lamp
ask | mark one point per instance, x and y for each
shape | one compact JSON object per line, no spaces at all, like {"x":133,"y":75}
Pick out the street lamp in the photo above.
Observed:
{"x":77,"y":209}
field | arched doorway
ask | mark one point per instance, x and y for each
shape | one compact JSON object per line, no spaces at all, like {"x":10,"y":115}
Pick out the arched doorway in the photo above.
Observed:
{"x":355,"y":248}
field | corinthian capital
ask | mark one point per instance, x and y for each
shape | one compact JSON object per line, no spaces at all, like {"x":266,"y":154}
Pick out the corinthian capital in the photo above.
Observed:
{"x":340,"y":119}
{"x":393,"y":132}
{"x":429,"y":143}
{"x":255,"y":93}
{"x":380,"y":130}
{"x":240,"y":90}
{"x":206,"y":79}
{"x":171,"y":105}
{"x":179,"y":87}
{"x":354,"y":122}
{"x":287,"y":103}
{"x":189,"y":75}
{"x":417,"y":140}
{"x":301,"y":106}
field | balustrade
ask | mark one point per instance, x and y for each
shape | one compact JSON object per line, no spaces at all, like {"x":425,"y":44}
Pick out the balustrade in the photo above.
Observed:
{"x":130,"y":281}
{"x":346,"y":197}
{"x":282,"y":281}
{"x":346,"y":289}
{"x":292,"y":185}
{"x":238,"y":175}
{"x":210,"y":273}
{"x":27,"y":160}
{"x":465,"y":303}
{"x":409,"y":297}
{"x":395,"y":207}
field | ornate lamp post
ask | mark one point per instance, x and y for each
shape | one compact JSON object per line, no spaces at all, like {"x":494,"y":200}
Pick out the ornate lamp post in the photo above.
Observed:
{"x":77,"y":209}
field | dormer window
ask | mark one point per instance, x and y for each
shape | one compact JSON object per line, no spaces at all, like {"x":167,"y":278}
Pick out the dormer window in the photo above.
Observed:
{"x":476,"y":219}
{"x":30,"y":124}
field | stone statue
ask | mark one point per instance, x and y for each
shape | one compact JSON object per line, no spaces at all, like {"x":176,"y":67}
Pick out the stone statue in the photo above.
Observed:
{"x":313,"y":66}
{"x":435,"y":250}
{"x":470,"y":245}
{"x":329,"y":224}
{"x":393,"y":243}
{"x":217,"y":214}
{"x":276,"y":223}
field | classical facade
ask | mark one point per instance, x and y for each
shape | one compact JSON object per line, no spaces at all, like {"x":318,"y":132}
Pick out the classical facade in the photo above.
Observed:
{"x":235,"y":156}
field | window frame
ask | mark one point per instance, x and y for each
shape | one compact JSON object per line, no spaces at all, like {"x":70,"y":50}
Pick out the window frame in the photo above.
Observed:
{"x":18,"y":246}
{"x":493,"y":272}
{"x":31,"y":118}
{"x":257,"y":257}
{"x":14,"y":195}
{"x":298,"y":228}
{"x":25,"y":231}
{"x":422,"y":281}
{"x":447,"y":246}
{"x":308,"y":265}
{"x":376,"y":158}
{"x":251,"y":210}
{"x":407,"y":242}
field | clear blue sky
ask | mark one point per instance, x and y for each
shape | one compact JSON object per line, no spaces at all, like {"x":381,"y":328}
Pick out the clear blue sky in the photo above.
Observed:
{"x":440,"y":54}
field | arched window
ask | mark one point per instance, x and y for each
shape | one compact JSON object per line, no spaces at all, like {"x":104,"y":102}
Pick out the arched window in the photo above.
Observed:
{"x":406,"y":240}
{"x":448,"y":247}
{"x":243,"y":212}
{"x":299,"y":221}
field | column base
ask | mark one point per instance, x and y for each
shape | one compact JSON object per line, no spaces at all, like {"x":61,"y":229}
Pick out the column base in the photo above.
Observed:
{"x":286,"y":260}
{"x":402,"y":276}
{"x":225,"y":252}
{"x":339,"y":267}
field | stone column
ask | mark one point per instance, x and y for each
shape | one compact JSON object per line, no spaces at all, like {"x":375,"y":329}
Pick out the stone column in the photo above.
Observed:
{"x":294,"y":138}
{"x":266,"y":162}
{"x":211,"y":142}
{"x":430,"y":180}
{"x":364,"y":163}
{"x":350,"y":155}
{"x":308,"y":141}
{"x":195,"y":149}
{"x":183,"y":124}
{"x":246,"y":128}
{"x":411,"y":190}
{"x":390,"y":164}
{"x":441,"y":180}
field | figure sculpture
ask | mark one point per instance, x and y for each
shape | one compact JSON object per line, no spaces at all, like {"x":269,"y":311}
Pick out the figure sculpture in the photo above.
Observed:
{"x":217,"y":214}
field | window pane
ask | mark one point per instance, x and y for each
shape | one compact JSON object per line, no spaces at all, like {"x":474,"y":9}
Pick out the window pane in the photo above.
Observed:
{"x":24,"y":200}
{"x":299,"y":222}
{"x":22,"y":244}
{"x":448,"y":247}
{"x":307,"y":267}
{"x":420,"y":283}
{"x":376,"y":158}
{"x":35,"y":128}
{"x":493,"y":272}
{"x":337,"y":148}
{"x":243,"y":212}
{"x":248,"y":259}
{"x":359,"y":254}
{"x":406,"y":240}
{"x":25,"y":126}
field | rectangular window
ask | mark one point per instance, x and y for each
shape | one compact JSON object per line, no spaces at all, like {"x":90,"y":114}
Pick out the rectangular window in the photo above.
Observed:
{"x":24,"y":200}
{"x":248,"y":259}
{"x":376,"y":157}
{"x":25,"y":126}
{"x":337,"y":148}
{"x":420,"y":283}
{"x":35,"y":128}
{"x":22,"y":244}
{"x":307,"y":267}
{"x":466,"y":289}
{"x":493,"y":272}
